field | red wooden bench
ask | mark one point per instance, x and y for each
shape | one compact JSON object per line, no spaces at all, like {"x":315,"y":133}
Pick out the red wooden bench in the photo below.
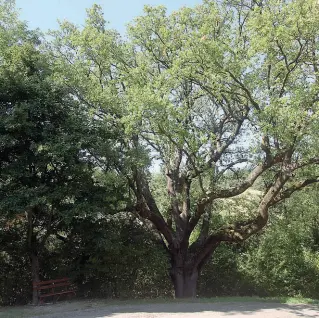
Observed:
{"x":52,"y":288}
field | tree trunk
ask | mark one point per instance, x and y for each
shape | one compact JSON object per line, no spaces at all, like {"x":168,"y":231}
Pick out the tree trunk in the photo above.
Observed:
{"x":185,"y":282}
{"x":35,"y":271}
{"x":186,"y":268}
{"x":33,"y":254}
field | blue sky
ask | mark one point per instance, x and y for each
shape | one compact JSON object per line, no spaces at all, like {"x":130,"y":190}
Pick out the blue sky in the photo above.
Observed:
{"x":43,"y":14}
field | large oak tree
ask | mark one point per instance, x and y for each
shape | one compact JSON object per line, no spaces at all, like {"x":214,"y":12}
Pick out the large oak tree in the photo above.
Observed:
{"x":221,"y":95}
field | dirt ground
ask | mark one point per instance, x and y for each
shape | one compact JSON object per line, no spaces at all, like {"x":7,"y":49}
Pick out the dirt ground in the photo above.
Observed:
{"x":165,"y":310}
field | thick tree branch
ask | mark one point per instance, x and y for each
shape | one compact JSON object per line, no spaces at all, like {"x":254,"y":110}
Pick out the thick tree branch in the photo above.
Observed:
{"x":240,"y":188}
{"x":243,"y":230}
{"x":295,"y":187}
{"x":172,"y":180}
{"x":187,"y":201}
{"x":203,"y":232}
{"x":146,"y":207}
{"x":143,"y":210}
{"x":304,"y":163}
{"x":227,"y":193}
{"x":144,"y":191}
{"x":265,"y":146}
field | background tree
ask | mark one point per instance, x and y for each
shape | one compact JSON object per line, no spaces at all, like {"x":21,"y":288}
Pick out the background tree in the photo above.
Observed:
{"x":46,"y":178}
{"x":284,"y":259}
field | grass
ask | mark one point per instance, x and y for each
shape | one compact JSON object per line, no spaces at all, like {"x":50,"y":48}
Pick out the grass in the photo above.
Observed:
{"x":79,"y":305}
{"x":280,"y":300}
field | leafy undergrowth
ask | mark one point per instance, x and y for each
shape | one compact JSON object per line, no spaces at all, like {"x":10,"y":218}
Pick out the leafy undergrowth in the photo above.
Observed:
{"x":80,"y":305}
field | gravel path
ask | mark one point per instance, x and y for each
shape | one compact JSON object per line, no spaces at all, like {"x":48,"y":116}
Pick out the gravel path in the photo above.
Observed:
{"x":184,"y":310}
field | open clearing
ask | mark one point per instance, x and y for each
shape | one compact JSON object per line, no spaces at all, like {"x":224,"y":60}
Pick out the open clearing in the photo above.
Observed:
{"x":192,"y":309}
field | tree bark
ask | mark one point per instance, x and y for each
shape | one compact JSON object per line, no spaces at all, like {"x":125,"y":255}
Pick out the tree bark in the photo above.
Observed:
{"x":184,"y":275}
{"x":33,"y":254}
{"x":35,"y":274}
{"x":185,"y":282}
